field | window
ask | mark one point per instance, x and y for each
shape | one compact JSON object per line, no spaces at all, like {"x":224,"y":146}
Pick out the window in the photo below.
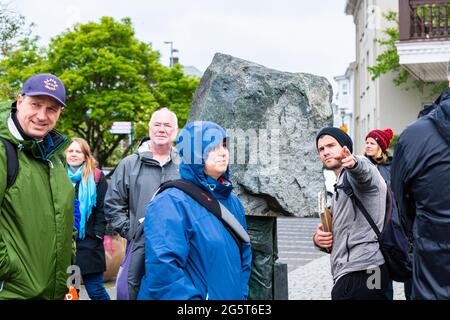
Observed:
{"x":363,"y":76}
{"x":344,"y":89}
{"x":367,"y":71}
{"x":364,"y":130}
{"x":369,"y":9}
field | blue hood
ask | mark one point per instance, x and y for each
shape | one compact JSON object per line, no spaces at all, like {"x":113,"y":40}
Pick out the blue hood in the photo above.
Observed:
{"x":194,"y":143}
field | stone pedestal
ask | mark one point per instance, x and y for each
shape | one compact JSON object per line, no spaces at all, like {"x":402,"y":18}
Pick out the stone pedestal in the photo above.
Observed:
{"x":272,"y":118}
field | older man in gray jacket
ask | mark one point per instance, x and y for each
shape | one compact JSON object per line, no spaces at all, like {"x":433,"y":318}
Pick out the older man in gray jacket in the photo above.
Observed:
{"x":138,"y":176}
{"x":357,"y":264}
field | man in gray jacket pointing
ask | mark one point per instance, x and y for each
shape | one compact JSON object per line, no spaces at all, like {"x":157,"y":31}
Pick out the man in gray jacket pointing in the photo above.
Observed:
{"x":357,"y":264}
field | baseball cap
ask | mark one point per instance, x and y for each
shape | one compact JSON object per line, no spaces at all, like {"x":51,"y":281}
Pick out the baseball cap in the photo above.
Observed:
{"x":45,"y":84}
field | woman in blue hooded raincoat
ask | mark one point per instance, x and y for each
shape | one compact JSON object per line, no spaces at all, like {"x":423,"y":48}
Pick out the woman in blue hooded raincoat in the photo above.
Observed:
{"x":189,"y":254}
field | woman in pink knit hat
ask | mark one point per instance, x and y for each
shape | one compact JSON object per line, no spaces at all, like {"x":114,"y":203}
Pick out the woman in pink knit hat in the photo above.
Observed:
{"x":377,"y":143}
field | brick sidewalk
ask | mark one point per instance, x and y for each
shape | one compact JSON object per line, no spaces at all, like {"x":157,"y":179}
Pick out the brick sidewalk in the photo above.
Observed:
{"x":313,"y":281}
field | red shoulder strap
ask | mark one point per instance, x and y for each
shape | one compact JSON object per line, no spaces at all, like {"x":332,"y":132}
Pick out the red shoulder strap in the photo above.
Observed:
{"x":97,"y":174}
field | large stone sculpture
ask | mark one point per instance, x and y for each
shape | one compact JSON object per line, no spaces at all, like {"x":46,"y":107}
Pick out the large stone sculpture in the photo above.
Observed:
{"x":272,"y":118}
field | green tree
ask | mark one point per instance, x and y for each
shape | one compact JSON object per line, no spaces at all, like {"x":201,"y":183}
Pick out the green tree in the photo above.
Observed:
{"x":389,"y":61}
{"x":112,"y":76}
{"x":12,"y":28}
{"x":109,"y":76}
{"x":20,"y":63}
{"x":18,"y":51}
{"x":175,"y":91}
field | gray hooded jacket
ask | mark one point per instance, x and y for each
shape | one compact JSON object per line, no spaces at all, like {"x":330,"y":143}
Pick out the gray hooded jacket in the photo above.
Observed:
{"x":135,"y":180}
{"x":355,"y":245}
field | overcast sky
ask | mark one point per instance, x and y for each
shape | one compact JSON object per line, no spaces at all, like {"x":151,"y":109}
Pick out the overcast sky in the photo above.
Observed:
{"x":289,"y":35}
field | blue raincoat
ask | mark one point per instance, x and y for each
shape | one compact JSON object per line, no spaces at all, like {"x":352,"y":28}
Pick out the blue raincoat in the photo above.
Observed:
{"x":189,"y":252}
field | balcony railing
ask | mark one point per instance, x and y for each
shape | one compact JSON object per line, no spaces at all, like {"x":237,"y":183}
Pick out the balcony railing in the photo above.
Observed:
{"x":424,"y":19}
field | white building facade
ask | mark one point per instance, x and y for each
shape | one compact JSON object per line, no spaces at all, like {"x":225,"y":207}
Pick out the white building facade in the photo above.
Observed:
{"x":378,"y":103}
{"x":424,"y":44}
{"x":343,"y":106}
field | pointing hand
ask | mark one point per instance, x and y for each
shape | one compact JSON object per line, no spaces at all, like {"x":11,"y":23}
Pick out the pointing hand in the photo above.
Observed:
{"x":346,"y":158}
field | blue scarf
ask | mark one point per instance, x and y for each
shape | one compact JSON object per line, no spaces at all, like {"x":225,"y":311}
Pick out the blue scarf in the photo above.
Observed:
{"x":87,"y":195}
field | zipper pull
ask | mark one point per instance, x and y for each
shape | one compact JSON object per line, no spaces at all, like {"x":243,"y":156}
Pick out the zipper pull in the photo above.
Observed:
{"x":50,"y":163}
{"x":20,"y":147}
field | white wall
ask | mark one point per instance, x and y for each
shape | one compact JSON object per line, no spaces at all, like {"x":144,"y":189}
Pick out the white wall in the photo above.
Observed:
{"x":399,"y":107}
{"x":379,"y":104}
{"x":344,"y":101}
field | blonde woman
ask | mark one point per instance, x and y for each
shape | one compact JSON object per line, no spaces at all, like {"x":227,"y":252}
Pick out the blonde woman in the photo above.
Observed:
{"x":90,"y":189}
{"x":377,"y":143}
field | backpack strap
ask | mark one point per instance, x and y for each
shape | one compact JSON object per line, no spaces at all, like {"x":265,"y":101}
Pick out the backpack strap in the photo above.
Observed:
{"x":12,"y":162}
{"x":207,"y":200}
{"x":346,"y":186}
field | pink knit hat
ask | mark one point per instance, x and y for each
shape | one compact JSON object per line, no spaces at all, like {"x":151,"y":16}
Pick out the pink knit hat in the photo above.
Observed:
{"x":382,"y":137}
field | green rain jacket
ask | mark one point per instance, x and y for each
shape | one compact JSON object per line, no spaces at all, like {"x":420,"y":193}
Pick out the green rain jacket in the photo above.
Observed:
{"x":36,"y":220}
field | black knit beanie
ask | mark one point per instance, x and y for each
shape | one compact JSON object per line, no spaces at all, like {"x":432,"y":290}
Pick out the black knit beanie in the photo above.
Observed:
{"x":341,"y":137}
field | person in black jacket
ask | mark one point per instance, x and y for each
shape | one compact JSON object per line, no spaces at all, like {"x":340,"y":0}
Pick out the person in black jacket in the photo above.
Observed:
{"x":90,"y":189}
{"x":420,"y":179}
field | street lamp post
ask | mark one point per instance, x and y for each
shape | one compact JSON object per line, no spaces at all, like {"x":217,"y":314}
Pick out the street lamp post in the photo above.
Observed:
{"x":172,"y":50}
{"x":343,"y":126}
{"x":343,"y":116}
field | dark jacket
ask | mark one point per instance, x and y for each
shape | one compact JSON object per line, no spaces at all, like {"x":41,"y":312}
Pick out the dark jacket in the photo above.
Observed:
{"x":135,"y":180}
{"x":384,"y":169}
{"x":90,"y":251}
{"x":420,"y":182}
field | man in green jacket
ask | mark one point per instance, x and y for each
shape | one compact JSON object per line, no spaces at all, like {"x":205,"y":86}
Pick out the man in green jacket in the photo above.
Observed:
{"x":36,"y":212}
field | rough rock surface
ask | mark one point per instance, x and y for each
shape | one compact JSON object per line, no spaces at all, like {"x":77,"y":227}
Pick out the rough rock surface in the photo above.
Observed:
{"x":272,"y":118}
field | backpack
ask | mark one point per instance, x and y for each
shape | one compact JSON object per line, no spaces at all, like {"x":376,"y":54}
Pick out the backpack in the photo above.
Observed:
{"x":12,"y":162}
{"x":132,"y":268}
{"x":394,"y":244}
{"x":97,"y":174}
